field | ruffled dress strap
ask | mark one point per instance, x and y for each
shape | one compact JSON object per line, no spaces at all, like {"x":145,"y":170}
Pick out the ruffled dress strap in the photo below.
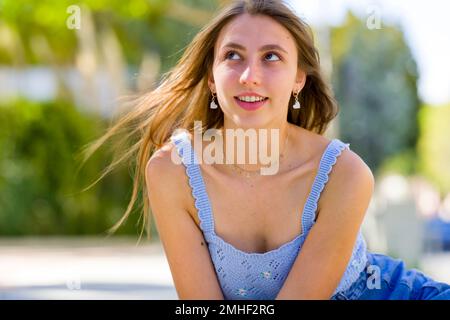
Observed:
{"x":182,"y":142}
{"x":329,"y":158}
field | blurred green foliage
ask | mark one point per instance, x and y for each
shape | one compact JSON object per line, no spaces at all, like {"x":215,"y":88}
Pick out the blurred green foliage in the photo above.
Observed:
{"x":163,"y":27}
{"x":434,"y":146}
{"x":40,"y":188}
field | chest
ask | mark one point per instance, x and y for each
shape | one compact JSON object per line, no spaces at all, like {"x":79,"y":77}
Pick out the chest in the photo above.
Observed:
{"x":258,"y":216}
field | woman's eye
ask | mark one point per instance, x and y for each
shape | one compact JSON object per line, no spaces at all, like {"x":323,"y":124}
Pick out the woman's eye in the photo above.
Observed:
{"x":273,"y":54}
{"x":230,"y":53}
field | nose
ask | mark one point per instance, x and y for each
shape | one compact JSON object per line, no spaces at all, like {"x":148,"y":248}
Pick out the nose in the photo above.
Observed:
{"x":251,"y":75}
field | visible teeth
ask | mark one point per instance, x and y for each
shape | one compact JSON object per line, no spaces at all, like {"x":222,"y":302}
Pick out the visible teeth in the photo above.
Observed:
{"x":251,"y":98}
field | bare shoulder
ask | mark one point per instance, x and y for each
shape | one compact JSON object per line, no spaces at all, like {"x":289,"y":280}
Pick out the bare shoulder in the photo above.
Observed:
{"x":161,"y":157}
{"x":164,"y":173}
{"x":350,"y":181}
{"x":161,"y":164}
{"x":349,"y":164}
{"x":350,"y":168}
{"x":350,"y":175}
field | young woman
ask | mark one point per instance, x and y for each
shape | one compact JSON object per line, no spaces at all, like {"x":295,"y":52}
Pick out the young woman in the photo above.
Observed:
{"x":230,"y":232}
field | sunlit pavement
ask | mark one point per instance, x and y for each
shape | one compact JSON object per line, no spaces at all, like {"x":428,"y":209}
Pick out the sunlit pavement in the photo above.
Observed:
{"x":106,"y":269}
{"x":83,"y":269}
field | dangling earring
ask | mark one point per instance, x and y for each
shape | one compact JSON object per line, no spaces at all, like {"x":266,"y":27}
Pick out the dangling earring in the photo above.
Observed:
{"x":297,"y":103}
{"x":213,"y":104}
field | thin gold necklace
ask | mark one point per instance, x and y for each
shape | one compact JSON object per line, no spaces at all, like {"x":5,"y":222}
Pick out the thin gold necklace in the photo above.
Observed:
{"x":250,"y":173}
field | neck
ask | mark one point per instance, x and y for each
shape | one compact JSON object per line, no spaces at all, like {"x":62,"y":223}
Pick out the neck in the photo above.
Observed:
{"x":255,"y":149}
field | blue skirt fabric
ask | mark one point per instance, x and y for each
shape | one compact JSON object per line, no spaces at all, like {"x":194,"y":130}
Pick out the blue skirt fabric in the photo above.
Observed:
{"x":386,"y":278}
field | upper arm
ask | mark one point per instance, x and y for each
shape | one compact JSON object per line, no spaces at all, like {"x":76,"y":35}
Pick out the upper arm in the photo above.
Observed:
{"x":184,"y":245}
{"x":328,"y":247}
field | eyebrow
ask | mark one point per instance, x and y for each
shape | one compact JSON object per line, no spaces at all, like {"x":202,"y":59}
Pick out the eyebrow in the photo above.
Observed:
{"x":263,"y":48}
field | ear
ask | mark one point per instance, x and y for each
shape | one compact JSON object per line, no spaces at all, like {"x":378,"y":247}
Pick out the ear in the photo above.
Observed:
{"x":300,"y":80}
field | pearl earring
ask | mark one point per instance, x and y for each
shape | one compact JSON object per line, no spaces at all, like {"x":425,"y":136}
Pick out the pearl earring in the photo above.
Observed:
{"x":213,"y":104}
{"x":297,"y":103}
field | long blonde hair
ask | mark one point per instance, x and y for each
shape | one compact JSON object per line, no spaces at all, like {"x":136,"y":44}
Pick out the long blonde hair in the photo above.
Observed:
{"x":183,"y":96}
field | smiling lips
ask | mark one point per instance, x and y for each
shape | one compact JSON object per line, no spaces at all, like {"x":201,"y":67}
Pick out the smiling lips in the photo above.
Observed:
{"x":250,"y":101}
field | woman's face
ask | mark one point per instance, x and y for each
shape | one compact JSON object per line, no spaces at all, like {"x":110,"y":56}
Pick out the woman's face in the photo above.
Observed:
{"x":255,"y":55}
